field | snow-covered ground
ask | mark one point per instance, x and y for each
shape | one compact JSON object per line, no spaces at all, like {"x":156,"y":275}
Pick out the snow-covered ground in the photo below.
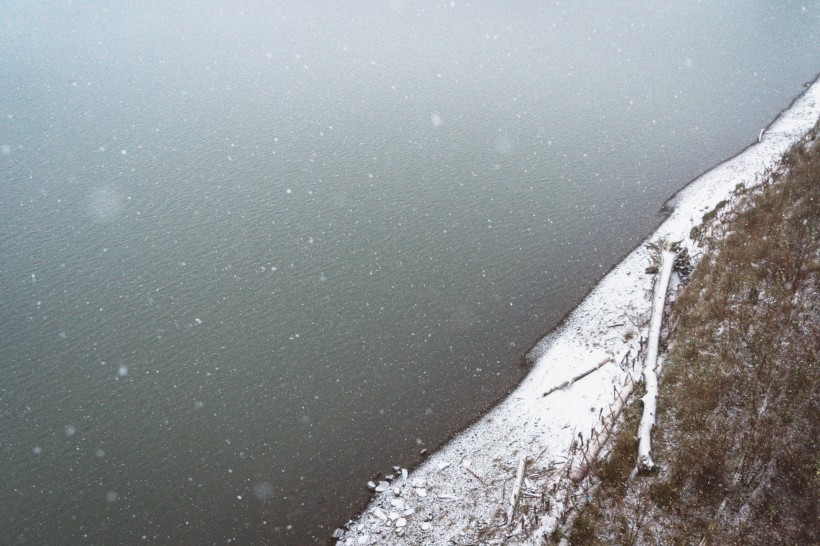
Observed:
{"x":461,"y":494}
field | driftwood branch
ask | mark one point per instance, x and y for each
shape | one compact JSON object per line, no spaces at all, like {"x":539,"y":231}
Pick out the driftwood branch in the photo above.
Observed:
{"x":516,"y":491}
{"x":581,"y":375}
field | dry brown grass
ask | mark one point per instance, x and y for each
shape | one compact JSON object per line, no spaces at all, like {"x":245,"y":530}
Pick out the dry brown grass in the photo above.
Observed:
{"x":739,"y":407}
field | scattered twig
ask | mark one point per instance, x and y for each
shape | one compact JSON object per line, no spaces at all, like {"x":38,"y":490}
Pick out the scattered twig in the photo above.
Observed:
{"x":465,"y":463}
{"x":539,"y":455}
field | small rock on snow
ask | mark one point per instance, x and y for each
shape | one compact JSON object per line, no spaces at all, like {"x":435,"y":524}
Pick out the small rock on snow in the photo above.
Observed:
{"x":379,"y":513}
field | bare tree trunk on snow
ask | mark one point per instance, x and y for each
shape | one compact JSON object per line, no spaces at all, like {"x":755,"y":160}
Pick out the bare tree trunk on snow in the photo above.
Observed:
{"x":645,"y":462}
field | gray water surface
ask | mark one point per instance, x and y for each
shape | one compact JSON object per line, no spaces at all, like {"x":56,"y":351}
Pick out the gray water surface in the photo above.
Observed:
{"x":254,"y":253}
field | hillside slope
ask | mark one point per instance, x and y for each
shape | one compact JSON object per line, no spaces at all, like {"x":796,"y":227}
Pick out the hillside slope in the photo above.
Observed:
{"x":739,"y":405}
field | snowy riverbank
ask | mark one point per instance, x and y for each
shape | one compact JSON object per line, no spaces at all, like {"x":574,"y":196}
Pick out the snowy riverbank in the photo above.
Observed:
{"x":462,"y":493}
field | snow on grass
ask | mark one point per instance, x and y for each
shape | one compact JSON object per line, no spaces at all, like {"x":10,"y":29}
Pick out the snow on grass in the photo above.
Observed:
{"x":448,"y":502}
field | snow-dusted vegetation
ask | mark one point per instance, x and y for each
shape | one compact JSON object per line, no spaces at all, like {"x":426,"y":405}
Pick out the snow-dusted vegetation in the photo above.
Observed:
{"x":736,"y":443}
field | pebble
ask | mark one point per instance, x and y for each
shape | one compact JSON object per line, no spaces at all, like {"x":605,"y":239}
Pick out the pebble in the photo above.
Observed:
{"x":379,"y":513}
{"x":421,"y":492}
{"x":382,"y":486}
{"x":425,"y":526}
{"x":442,"y":466}
{"x":363,"y":539}
{"x":397,"y":503}
{"x":393,"y":516}
{"x":371,"y":485}
{"x":338,"y":533}
{"x":408,"y":512}
{"x":401,"y":522}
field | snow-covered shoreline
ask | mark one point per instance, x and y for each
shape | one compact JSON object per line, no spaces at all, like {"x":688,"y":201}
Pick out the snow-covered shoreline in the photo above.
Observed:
{"x":459,"y":494}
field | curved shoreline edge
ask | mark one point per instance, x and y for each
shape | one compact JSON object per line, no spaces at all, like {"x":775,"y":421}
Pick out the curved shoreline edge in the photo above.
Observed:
{"x":456,"y":493}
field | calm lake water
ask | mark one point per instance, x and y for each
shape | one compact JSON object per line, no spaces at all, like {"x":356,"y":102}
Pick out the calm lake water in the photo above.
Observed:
{"x":254,"y":253}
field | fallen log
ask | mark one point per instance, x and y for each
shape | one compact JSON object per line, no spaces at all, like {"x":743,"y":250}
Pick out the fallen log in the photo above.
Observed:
{"x":645,"y":462}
